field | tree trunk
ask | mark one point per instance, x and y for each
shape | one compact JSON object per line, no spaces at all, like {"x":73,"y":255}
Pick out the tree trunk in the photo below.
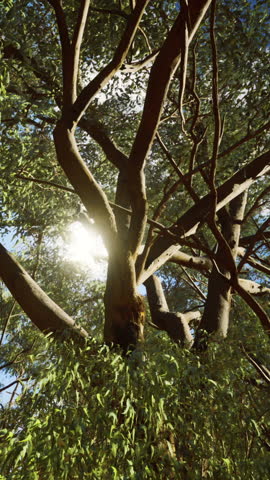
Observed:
{"x":124,"y":308}
{"x":218,"y":303}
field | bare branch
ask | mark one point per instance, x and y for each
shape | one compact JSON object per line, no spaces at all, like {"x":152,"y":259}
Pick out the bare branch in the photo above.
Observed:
{"x":19,"y":380}
{"x":182,"y":177}
{"x":245,"y":241}
{"x":9,"y":315}
{"x":137,"y":66}
{"x":192,"y":284}
{"x":257,"y":203}
{"x":13,"y":361}
{"x":45,"y":182}
{"x":258,"y":265}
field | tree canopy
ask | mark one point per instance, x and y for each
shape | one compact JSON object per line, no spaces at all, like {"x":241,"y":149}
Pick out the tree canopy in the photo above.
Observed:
{"x":143,"y":125}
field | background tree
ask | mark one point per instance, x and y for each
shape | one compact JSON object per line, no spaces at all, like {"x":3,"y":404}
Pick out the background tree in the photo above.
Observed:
{"x":149,"y":123}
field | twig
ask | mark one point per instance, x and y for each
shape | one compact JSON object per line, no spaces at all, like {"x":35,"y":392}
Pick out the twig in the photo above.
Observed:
{"x":261,"y":369}
{"x":7,"y":321}
{"x":190,"y":190}
{"x":251,"y":245}
{"x":193,"y":284}
{"x":19,"y":380}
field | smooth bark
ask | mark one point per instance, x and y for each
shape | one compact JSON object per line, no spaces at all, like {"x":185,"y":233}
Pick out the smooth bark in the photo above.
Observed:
{"x":188,"y":223}
{"x":216,"y":313}
{"x":41,"y":310}
{"x":174,"y":323}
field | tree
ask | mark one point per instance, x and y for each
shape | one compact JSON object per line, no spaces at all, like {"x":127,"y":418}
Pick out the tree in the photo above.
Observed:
{"x":149,"y":119}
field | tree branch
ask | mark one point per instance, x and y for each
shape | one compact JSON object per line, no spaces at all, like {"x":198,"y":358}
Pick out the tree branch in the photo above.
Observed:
{"x":255,"y":306}
{"x":109,"y":71}
{"x":43,"y":312}
{"x":261,"y":369}
{"x":246,"y":138}
{"x":163,"y":69}
{"x":76,"y":47}
{"x":90,"y":193}
{"x":61,"y":23}
{"x":252,"y":243}
{"x":96,"y":130}
{"x":175,"y":324}
{"x":187,"y":224}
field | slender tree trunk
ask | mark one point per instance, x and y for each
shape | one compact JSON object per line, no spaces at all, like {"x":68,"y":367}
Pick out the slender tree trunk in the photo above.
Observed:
{"x":218,"y":303}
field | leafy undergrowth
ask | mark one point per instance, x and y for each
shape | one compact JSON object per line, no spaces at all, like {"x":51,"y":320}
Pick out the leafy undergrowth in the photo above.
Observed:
{"x":163,"y":414}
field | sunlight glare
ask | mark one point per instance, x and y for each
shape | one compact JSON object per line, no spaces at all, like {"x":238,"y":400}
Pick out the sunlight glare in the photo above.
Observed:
{"x":85,"y":246}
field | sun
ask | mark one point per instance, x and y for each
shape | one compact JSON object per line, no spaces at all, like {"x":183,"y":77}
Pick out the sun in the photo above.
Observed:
{"x":85,"y":246}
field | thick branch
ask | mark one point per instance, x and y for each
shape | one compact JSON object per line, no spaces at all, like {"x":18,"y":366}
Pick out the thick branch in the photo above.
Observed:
{"x":204,"y":265}
{"x":90,"y":193}
{"x":252,"y":287}
{"x":67,"y":60}
{"x":175,"y":324}
{"x":61,"y":23}
{"x":188,"y":223}
{"x":43,"y":312}
{"x":161,"y":73}
{"x":255,"y":306}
